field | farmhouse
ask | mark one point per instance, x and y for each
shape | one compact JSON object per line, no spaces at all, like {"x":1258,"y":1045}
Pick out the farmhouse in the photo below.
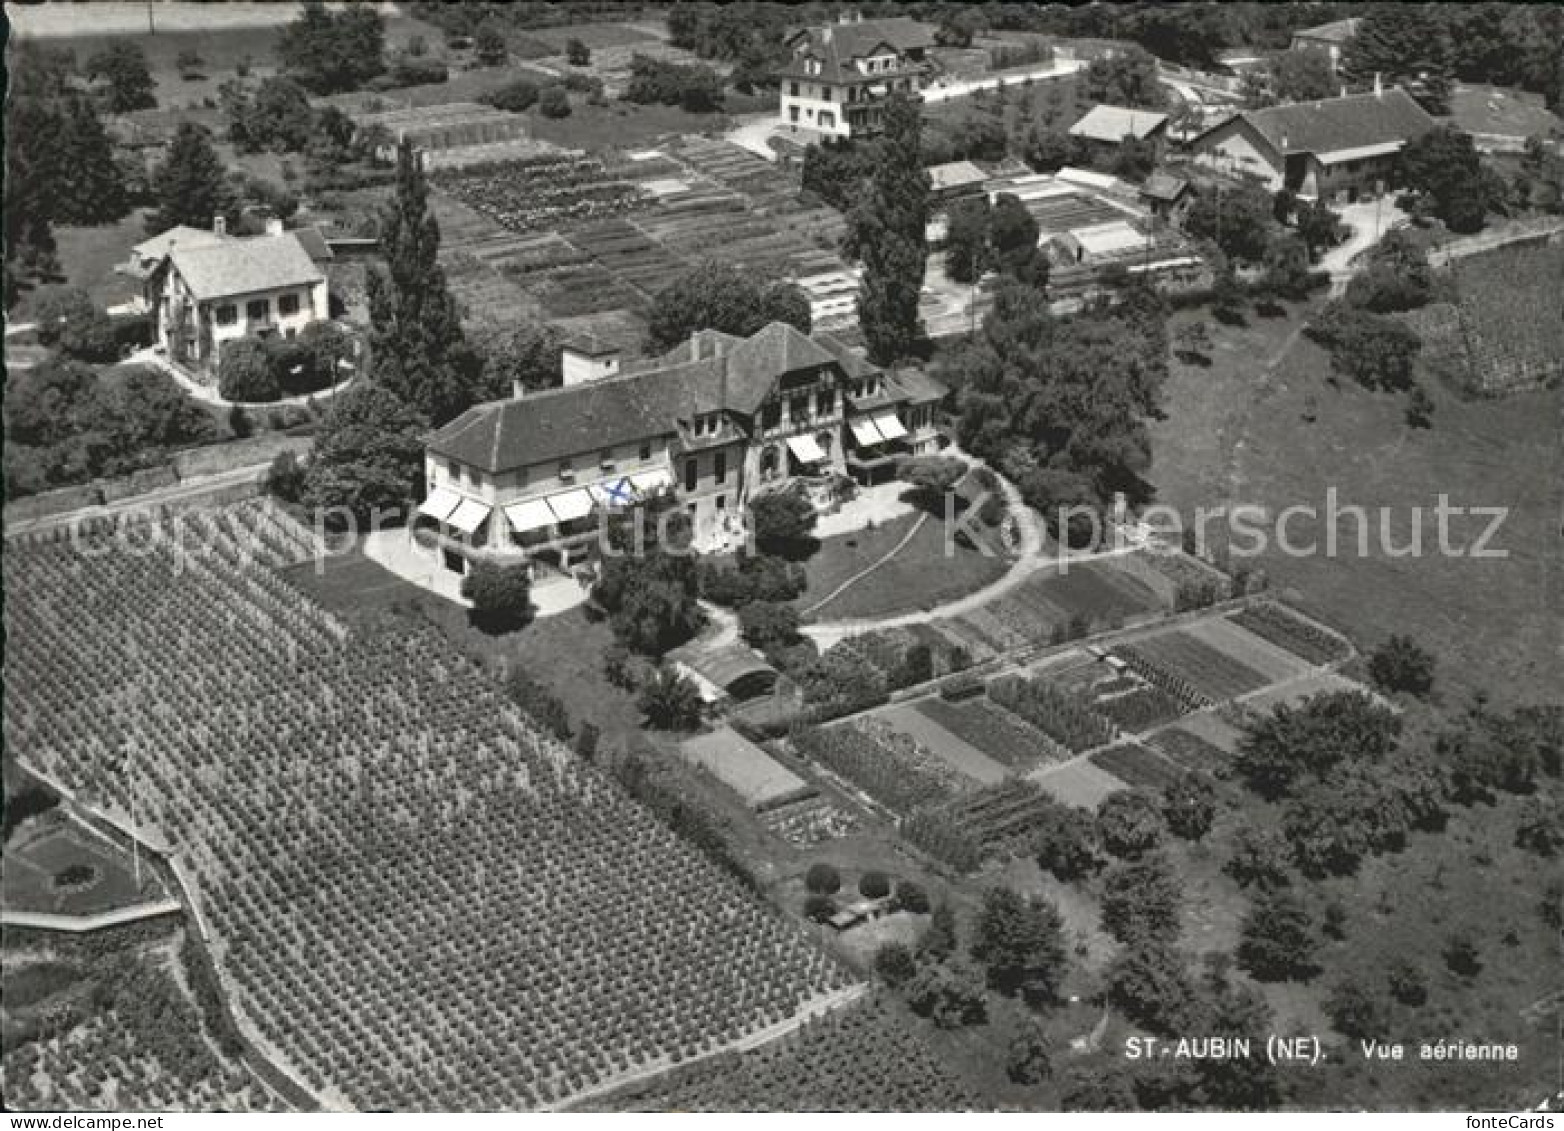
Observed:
{"x":1335,"y":149}
{"x":1107,"y":127}
{"x":839,"y":76}
{"x":712,"y":422}
{"x":1329,"y":39}
{"x":207,"y":288}
{"x":1167,"y":196}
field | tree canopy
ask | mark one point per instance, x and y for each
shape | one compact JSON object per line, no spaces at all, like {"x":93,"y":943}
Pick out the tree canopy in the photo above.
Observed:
{"x":329,"y":51}
{"x":122,"y":67}
{"x":368,"y":454}
{"x":1292,"y":743}
{"x":190,"y":186}
{"x":1127,"y":78}
{"x":1021,"y":944}
{"x":719,"y":296}
{"x":1448,"y":179}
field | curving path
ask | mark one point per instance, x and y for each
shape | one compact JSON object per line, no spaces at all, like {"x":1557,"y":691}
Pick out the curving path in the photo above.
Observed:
{"x":208,"y":394}
{"x":1030,"y":559}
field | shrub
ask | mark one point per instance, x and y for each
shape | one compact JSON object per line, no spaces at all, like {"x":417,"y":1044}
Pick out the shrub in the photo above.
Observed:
{"x":554,"y":102}
{"x":819,"y":908}
{"x":949,"y":994}
{"x":1029,"y":1059}
{"x":577,"y":54}
{"x":538,"y":702}
{"x":410,"y":70}
{"x":1189,"y":806}
{"x":911,"y":897}
{"x":1277,"y":938}
{"x":245,"y":372}
{"x":768,"y":625}
{"x":694,"y":86}
{"x":68,"y":320}
{"x":1357,"y":1011}
{"x":285,"y":478}
{"x":501,"y":593}
{"x":1129,"y":823}
{"x":894,"y":963}
{"x":670,"y":701}
{"x":1400,"y":664}
{"x":516,"y":96}
{"x":1065,"y":842}
{"x":1462,"y":956}
{"x":1406,"y":982}
{"x":874,"y":885}
{"x":823,"y":879}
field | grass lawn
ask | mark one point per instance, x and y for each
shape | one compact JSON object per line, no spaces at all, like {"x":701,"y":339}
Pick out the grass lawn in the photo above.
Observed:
{"x":918,"y":576}
{"x":1236,"y":434}
{"x":87,"y":257}
{"x":35,"y":861}
{"x":620,"y":125}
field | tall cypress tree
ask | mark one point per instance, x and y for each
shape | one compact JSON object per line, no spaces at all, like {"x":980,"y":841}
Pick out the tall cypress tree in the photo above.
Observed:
{"x":418,"y":349}
{"x":886,"y":232}
{"x":190,"y":185}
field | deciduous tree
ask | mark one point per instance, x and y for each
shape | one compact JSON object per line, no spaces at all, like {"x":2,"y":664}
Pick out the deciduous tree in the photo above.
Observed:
{"x":368,"y":454}
{"x":715,"y":296}
{"x":1021,"y":944}
{"x":1277,"y":939}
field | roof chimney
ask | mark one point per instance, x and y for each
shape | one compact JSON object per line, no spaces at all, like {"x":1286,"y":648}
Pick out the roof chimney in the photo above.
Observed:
{"x":825,"y":35}
{"x":220,"y":225}
{"x":695,"y":345}
{"x":1379,"y":87}
{"x":273,"y":226}
{"x":517,"y":389}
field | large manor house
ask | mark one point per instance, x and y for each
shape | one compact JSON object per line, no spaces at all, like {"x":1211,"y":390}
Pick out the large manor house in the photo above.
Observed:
{"x":713,"y":422}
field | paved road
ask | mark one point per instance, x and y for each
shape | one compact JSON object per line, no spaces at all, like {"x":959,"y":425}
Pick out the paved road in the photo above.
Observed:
{"x":1052,"y":70}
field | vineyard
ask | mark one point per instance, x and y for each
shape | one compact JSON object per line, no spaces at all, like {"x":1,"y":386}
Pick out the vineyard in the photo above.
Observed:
{"x":863,"y":1058}
{"x":1508,"y":317}
{"x":416,"y":896}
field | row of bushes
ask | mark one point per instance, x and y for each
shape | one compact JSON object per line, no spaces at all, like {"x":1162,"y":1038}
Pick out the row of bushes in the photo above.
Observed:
{"x":258,"y":370}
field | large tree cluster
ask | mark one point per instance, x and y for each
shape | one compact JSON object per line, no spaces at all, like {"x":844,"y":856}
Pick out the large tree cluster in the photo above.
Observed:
{"x":1061,"y":404}
{"x":332,"y":50}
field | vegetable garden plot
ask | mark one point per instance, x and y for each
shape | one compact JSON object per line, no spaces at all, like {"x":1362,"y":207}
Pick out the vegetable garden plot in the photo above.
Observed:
{"x":341,"y":800}
{"x":889,"y":766}
{"x":1296,"y":691}
{"x":1175,"y":659}
{"x":1057,"y":713}
{"x":1140,"y":709}
{"x":804,"y":824}
{"x":962,"y":756}
{"x":1137,"y":765}
{"x":865,"y":1057}
{"x":1288,"y":630}
{"x":993,"y":730}
{"x":1192,"y":752}
{"x":538,"y":193}
{"x":1270,"y":660}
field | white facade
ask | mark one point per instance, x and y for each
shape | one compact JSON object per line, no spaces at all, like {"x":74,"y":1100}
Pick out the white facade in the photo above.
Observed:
{"x":206,"y":326}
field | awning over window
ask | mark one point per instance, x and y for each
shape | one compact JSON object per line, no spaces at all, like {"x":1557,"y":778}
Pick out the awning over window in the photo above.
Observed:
{"x":534,"y":514}
{"x":571,"y":505}
{"x":440,"y":503}
{"x":469,"y":516}
{"x":865,"y":433}
{"x":650,"y":482}
{"x":888,"y":425}
{"x":805,"y":449}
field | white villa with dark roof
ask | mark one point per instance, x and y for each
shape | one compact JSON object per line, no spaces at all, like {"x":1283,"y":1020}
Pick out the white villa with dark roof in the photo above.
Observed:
{"x":205,"y":288}
{"x":839,"y":76}
{"x":712,"y":422}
